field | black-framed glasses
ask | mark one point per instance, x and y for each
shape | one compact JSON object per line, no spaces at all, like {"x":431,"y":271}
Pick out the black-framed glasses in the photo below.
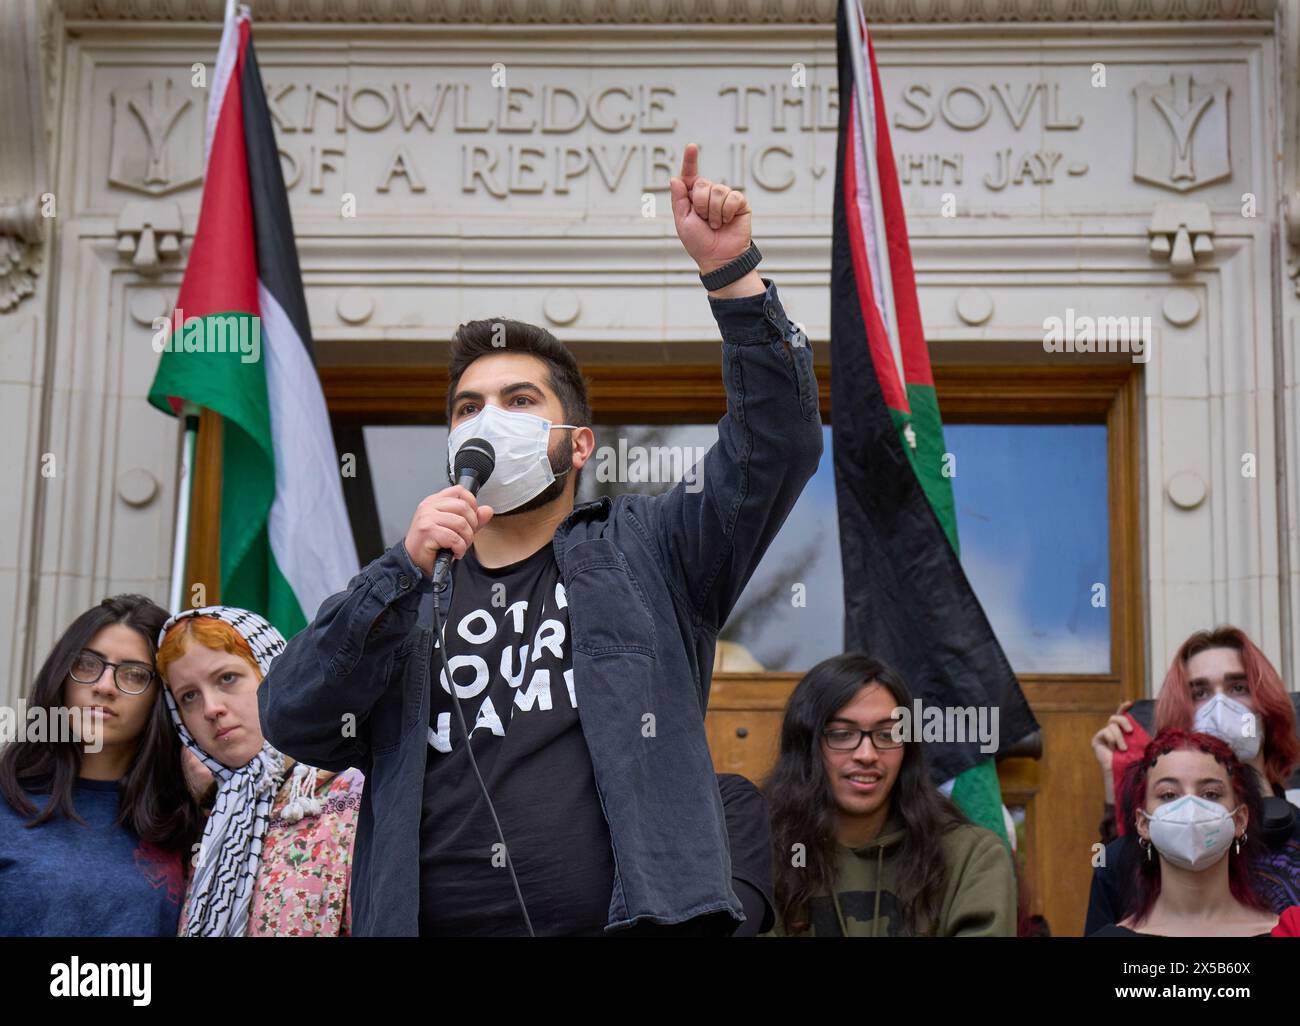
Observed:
{"x":131,"y":678}
{"x":847,"y":739}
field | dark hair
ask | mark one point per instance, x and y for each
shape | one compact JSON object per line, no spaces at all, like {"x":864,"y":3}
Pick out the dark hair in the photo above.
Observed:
{"x":1141,"y":875}
{"x":498,"y":335}
{"x":803,"y":805}
{"x":155,"y":801}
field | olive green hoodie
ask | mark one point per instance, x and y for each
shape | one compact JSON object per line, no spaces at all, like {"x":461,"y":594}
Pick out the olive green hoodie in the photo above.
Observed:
{"x":979,"y":894}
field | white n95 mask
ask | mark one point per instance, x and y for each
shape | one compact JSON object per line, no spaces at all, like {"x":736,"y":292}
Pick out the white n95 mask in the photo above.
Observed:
{"x":1231,"y":722}
{"x":1191,"y":832}
{"x":520,"y":441}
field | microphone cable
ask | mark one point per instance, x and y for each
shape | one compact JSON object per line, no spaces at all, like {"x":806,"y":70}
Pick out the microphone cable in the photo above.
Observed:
{"x":469,"y":749}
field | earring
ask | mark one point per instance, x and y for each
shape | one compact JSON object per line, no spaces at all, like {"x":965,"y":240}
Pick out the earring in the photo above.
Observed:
{"x":1240,"y":840}
{"x":1146,"y":846}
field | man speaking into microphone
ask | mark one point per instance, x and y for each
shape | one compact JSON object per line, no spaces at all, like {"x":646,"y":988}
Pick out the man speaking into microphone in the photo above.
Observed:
{"x":579,"y":639}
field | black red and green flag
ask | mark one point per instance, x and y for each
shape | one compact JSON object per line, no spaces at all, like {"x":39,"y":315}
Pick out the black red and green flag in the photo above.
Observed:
{"x":906,"y":599}
{"x":240,"y":345}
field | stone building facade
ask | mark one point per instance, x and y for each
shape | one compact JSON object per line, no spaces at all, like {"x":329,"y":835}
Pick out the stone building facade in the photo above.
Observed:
{"x":1134,"y":160}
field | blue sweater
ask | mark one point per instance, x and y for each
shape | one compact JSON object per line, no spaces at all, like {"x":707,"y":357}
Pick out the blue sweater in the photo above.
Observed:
{"x":98,"y":879}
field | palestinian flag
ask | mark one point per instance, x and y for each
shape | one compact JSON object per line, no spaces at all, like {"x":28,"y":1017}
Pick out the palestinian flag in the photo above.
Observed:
{"x":906,"y":599}
{"x":240,"y":345}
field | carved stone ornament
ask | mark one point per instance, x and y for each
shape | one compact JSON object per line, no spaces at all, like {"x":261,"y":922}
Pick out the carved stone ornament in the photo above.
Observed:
{"x":149,"y":232}
{"x":157,"y":138}
{"x":1182,"y":133}
{"x":26,"y":49}
{"x":634,"y":12}
{"x":20,"y":235}
{"x":1181,"y":232}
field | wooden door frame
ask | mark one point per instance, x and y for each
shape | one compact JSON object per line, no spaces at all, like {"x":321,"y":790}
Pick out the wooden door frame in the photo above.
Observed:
{"x":1078,"y":392}
{"x":1100,"y":393}
{"x":653,"y":393}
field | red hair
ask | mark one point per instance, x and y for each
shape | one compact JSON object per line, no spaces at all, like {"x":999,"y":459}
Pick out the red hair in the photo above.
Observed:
{"x":209,"y":632}
{"x":1144,"y":883}
{"x":1176,"y":710}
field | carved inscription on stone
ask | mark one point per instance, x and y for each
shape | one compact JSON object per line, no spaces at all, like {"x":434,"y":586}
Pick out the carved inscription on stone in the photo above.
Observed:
{"x":604,"y":141}
{"x":542,"y":139}
{"x":969,"y":107}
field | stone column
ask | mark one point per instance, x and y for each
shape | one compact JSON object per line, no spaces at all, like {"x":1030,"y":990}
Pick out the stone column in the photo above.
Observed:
{"x":30,"y":32}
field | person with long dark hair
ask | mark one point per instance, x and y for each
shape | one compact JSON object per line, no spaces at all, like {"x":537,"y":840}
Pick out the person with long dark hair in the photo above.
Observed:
{"x":865,"y":845}
{"x":95,"y":828}
{"x":1192,"y":803}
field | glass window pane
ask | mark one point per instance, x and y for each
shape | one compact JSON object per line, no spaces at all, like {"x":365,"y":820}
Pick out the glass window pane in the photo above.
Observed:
{"x":408,"y":463}
{"x":1032,"y":513}
{"x":791,"y":613}
{"x":1033,"y":518}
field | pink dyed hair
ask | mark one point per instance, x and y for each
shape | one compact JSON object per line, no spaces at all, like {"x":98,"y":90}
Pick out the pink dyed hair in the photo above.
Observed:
{"x":1175,"y":708}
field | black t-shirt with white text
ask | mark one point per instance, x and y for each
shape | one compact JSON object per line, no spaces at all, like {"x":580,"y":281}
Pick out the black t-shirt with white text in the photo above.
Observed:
{"x":511,"y":659}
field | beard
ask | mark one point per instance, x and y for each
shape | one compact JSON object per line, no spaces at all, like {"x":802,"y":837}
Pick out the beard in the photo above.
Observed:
{"x":561,"y":459}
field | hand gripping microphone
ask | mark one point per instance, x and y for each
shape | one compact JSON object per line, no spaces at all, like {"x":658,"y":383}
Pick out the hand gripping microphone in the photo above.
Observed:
{"x":474,"y":463}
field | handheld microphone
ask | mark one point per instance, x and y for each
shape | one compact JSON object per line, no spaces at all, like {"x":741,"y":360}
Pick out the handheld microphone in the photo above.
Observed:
{"x":475,"y":461}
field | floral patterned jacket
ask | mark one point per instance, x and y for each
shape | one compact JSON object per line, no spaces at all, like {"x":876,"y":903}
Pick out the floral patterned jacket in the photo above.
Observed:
{"x":306,"y":870}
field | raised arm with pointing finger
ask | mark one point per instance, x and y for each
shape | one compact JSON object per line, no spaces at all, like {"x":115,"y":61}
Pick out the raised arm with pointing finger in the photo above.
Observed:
{"x":585,"y":688}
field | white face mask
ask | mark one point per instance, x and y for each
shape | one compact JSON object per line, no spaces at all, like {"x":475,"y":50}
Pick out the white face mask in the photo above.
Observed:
{"x":1191,"y":832}
{"x":1231,"y":722}
{"x":520,"y":441}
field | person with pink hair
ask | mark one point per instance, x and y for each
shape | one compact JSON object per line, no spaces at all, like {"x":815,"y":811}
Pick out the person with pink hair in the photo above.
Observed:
{"x":1220,"y":684}
{"x":1192,"y":804}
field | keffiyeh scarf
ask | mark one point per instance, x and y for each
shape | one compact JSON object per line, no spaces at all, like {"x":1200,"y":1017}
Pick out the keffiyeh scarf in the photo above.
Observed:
{"x":225,"y":869}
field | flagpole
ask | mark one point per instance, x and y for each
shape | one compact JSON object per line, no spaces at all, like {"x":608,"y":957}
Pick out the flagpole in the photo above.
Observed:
{"x":866,"y":113}
{"x":176,"y":596}
{"x":190,"y":415}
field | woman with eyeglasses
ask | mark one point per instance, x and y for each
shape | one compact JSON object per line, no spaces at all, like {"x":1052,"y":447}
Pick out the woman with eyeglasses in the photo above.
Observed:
{"x":865,"y":845}
{"x":96,"y":820}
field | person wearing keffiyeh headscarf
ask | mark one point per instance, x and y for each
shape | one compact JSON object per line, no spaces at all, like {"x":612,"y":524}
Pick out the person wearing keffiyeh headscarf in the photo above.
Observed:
{"x":212,"y":660}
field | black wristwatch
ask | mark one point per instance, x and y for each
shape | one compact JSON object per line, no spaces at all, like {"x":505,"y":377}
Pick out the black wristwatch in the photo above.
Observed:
{"x":733,"y":271}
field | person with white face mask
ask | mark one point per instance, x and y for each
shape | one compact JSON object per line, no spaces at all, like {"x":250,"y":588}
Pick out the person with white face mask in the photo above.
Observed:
{"x":1193,"y":802}
{"x":1219,"y":683}
{"x":1233,"y":723}
{"x":522,"y":472}
{"x":545,"y":769}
